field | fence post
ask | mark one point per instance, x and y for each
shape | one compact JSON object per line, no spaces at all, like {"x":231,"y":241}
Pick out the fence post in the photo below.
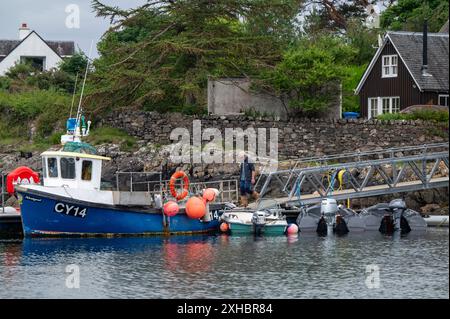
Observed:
{"x":131,"y":182}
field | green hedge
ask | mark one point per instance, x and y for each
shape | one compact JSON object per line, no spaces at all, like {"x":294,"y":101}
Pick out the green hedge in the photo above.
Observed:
{"x":426,"y":115}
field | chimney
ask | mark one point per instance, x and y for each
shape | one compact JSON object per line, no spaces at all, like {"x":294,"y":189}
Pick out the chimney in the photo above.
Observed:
{"x":24,"y":31}
{"x":425,"y":49}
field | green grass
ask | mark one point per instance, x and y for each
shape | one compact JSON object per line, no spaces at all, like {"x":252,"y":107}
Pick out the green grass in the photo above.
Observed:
{"x":112,"y":135}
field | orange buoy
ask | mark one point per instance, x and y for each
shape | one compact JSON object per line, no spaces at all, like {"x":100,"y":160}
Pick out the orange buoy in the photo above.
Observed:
{"x":224,"y":227}
{"x":209,"y":194}
{"x":173,"y":179}
{"x":171,"y":208}
{"x":195,"y":208}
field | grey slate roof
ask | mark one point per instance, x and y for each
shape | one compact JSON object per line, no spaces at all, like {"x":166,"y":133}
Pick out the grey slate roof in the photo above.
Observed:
{"x":409,"y":46}
{"x":6,"y":46}
{"x":60,"y":47}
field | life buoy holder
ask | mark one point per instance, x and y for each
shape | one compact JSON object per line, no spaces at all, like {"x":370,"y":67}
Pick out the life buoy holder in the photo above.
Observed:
{"x":22,"y":174}
{"x":173,"y":179}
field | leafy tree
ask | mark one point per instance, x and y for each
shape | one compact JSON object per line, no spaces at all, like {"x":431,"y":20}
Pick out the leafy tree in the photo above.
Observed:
{"x":334,"y":15}
{"x":408,"y":15}
{"x":159,"y":56}
{"x":307,"y":79}
{"x":75,"y":64}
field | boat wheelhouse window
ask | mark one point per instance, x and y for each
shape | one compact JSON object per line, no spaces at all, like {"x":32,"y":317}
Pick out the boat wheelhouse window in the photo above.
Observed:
{"x":44,"y":167}
{"x":67,"y":167}
{"x":52,"y":167}
{"x":86,"y":171}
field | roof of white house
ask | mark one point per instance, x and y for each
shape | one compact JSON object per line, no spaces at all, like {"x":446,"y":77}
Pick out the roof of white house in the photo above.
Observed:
{"x":62,"y":48}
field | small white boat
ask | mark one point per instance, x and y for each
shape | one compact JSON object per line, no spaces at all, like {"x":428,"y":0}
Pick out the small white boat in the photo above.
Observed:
{"x":267,"y":222}
{"x":437,"y":220}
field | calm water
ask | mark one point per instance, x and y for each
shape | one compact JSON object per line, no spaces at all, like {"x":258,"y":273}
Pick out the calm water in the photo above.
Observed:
{"x":415,"y":266}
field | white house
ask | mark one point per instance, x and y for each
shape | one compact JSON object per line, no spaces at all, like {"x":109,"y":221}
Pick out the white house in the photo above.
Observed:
{"x":31,"y":48}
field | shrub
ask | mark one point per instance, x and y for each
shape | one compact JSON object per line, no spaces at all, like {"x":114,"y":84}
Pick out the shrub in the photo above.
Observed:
{"x":425,"y":115}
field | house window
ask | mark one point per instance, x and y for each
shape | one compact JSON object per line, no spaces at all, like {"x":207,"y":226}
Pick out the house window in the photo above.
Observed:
{"x":36,"y":62}
{"x":389,"y":66}
{"x":383,"y":105}
{"x":373,"y":107}
{"x":67,"y":167}
{"x":443,"y":99}
{"x":395,"y":105}
{"x":386,"y":105}
{"x":52,"y":164}
{"x":86,"y":171}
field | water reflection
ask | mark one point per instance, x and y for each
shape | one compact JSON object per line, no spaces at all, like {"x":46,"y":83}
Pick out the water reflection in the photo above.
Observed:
{"x":302,"y":266}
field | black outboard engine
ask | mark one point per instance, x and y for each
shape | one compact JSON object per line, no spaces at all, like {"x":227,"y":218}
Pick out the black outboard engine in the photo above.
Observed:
{"x":340,"y":226}
{"x":398,"y":207}
{"x":322,"y":227}
{"x":387,"y":226}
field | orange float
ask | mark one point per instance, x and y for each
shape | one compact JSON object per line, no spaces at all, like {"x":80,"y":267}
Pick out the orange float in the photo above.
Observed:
{"x":224,"y":227}
{"x":173,"y":179}
{"x":21,"y":174}
{"x":209,"y":194}
{"x":195,"y":208}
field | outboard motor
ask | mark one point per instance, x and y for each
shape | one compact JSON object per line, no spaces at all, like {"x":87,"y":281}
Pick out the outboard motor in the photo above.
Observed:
{"x":322,"y":227}
{"x":329,"y":207}
{"x":387,"y":225}
{"x":259,"y":221}
{"x":398,"y":207}
{"x":340,"y":226}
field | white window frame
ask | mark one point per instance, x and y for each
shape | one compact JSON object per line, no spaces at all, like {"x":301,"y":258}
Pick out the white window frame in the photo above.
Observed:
{"x":443,"y":96}
{"x":380,"y":104}
{"x":391,"y":67}
{"x":369,"y":113}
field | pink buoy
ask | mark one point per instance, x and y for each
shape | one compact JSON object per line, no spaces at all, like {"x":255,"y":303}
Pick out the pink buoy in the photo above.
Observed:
{"x":224,"y":227}
{"x":292,"y":229}
{"x":171,"y":208}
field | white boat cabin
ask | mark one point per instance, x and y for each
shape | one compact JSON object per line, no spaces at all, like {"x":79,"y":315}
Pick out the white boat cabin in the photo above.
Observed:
{"x":72,"y":169}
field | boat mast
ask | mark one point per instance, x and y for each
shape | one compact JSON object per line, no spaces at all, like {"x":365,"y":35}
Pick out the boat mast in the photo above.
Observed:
{"x":80,"y":110}
{"x":73,"y":95}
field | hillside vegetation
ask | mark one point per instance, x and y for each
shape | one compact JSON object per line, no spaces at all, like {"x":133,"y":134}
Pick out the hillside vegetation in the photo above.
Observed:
{"x":159,"y":57}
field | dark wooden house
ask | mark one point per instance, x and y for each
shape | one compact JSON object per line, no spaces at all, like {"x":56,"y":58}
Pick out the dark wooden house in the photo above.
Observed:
{"x":405,"y":71}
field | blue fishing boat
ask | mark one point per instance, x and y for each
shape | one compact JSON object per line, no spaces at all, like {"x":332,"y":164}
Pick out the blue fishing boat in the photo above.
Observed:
{"x":71,"y":203}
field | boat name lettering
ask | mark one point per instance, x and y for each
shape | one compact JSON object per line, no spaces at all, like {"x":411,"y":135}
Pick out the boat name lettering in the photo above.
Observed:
{"x":33,"y":199}
{"x":71,"y":210}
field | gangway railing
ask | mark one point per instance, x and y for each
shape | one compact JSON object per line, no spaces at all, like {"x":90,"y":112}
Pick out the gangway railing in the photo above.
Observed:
{"x":359,"y":174}
{"x":151,"y":182}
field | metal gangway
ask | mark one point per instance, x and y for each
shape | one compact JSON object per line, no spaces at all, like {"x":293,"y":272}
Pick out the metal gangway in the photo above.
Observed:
{"x":355,"y":175}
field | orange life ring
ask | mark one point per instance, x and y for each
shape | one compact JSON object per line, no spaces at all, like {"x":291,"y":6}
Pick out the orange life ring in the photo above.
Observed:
{"x":173,"y":179}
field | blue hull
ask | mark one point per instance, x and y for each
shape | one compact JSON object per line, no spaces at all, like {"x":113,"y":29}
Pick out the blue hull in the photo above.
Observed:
{"x":43,"y":215}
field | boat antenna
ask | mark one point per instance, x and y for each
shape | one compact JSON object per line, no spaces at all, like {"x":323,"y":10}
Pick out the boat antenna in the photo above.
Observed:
{"x":82,"y":88}
{"x":73,"y":95}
